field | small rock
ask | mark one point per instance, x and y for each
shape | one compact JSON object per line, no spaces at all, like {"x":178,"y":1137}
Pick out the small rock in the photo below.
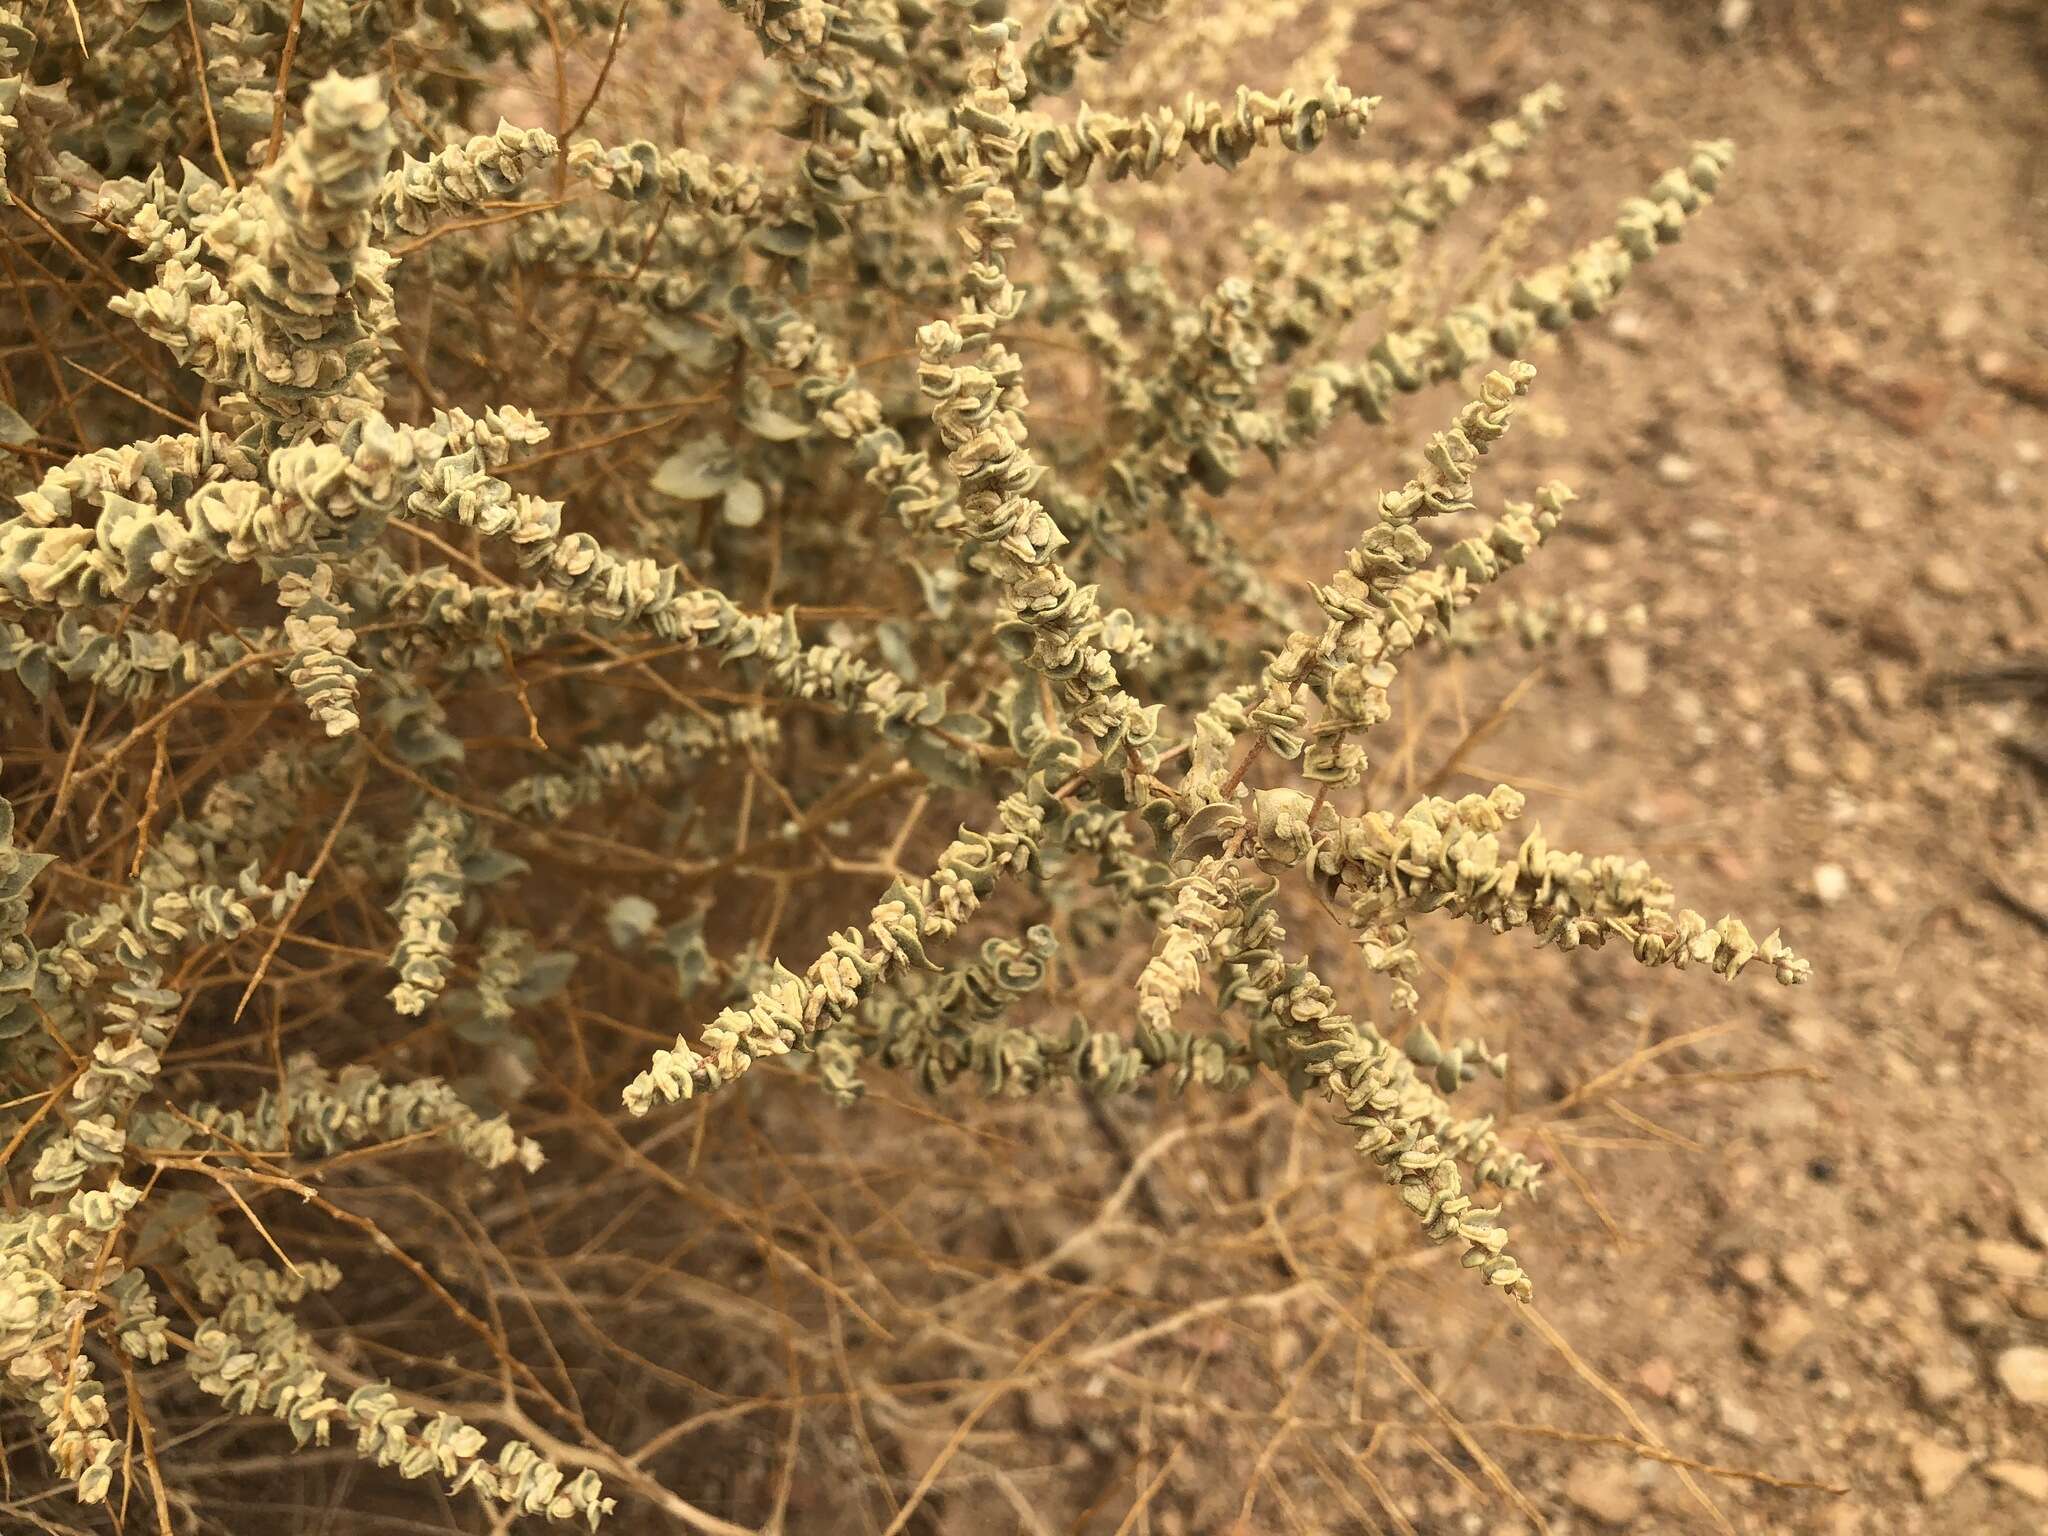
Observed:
{"x":1887,"y":632}
{"x":1628,"y":669}
{"x":1851,"y":690}
{"x":1893,"y":687}
{"x":1738,"y":1418}
{"x":1803,"y":1270}
{"x":2031,"y":1218}
{"x":1958,"y":321}
{"x":1942,"y":1384}
{"x":1946,"y":576}
{"x":1830,"y":883}
{"x":1677,"y":469}
{"x":1604,"y":1490}
{"x":1658,"y":1376}
{"x":1664,"y":807}
{"x":1912,"y":402}
{"x":1753,"y":1270}
{"x":1813,"y":1033}
{"x":1046,"y":1411}
{"x":1734,"y":15}
{"x":1398,"y":43}
{"x":1973,"y":1312}
{"x":2007,"y":1261}
{"x":1936,"y":1467}
{"x":1855,"y":761}
{"x":2021,"y":378}
{"x":2022,"y":1477}
{"x":1806,"y":765}
{"x":2023,"y":1372}
{"x":1782,"y":1332}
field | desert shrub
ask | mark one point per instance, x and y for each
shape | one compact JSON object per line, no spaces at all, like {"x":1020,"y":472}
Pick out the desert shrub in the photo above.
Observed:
{"x":476,"y":596}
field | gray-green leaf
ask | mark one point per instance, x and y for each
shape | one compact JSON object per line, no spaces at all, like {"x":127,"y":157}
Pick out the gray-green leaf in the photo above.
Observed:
{"x":697,"y":471}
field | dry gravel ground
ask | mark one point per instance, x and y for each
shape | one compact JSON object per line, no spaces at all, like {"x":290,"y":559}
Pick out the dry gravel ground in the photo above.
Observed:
{"x":1817,"y":438}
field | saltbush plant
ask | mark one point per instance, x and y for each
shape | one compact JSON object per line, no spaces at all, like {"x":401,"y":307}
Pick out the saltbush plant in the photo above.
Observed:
{"x":449,"y":568}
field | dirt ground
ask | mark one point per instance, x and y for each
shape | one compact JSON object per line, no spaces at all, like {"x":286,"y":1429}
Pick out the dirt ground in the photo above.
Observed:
{"x":1817,"y":442}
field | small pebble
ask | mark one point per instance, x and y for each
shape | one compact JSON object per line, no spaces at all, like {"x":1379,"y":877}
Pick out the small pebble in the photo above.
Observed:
{"x":1658,"y":1376}
{"x":1739,"y":1419}
{"x":1830,"y":883}
{"x":1939,"y":1385}
{"x":1803,"y":1270}
{"x":2022,"y":1477}
{"x":1604,"y":1490}
{"x":2023,"y":1372}
{"x":1936,"y":1468}
{"x":1806,"y":765}
{"x":1782,"y":1332}
{"x":1628,"y":669}
{"x":1946,"y":576}
{"x":2031,"y":1218}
